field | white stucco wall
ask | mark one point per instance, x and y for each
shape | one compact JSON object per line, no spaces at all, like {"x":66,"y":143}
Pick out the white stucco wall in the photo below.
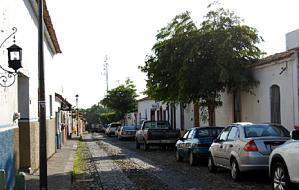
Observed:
{"x":144,"y":110}
{"x":256,"y":107}
{"x":15,"y":13}
{"x":8,"y":96}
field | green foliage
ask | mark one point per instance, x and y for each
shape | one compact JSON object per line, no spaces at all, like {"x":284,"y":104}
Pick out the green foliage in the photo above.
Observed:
{"x":191,"y":64}
{"x":92,"y":114}
{"x":110,"y":117}
{"x":121,"y":99}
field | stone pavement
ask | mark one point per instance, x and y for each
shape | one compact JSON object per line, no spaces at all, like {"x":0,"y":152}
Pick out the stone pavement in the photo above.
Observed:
{"x":60,"y":167}
{"x":111,"y":175}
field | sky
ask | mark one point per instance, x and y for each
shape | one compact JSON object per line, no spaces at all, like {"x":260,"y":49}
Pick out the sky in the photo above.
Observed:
{"x":125,"y":31}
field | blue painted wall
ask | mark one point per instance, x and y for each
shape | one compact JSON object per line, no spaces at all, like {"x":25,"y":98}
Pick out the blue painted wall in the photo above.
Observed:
{"x":6,"y":156}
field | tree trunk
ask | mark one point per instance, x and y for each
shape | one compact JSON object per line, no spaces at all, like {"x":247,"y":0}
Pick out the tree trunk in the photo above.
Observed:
{"x":211,"y":110}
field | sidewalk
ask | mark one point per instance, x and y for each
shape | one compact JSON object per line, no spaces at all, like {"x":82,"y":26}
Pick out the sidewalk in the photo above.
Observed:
{"x":60,"y":167}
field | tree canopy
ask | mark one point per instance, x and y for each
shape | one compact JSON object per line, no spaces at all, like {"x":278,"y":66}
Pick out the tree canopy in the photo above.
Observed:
{"x":197,"y":64}
{"x":121,"y":99}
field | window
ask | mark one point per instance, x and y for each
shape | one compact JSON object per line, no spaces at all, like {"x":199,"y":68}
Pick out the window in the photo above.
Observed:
{"x":191,"y":134}
{"x":156,"y":125}
{"x":233,"y":134}
{"x":202,"y":133}
{"x":224,"y":134}
{"x":51,"y":108}
{"x":275,"y":104}
{"x":237,"y":106}
{"x":152,"y":115}
{"x":266,"y":131}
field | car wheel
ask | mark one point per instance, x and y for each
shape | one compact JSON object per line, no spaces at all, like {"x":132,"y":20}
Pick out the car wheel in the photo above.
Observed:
{"x":280,"y":177}
{"x":137,"y":144}
{"x":211,"y":165}
{"x":178,"y":157}
{"x":235,"y":172}
{"x":192,"y":159}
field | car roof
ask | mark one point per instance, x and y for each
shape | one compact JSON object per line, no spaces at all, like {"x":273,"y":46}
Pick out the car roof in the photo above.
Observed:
{"x":242,"y":123}
{"x":207,"y":127}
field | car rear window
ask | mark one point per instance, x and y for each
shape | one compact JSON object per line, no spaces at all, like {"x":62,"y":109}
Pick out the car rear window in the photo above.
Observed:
{"x":212,"y":132}
{"x":266,"y":131}
{"x":156,"y":125}
{"x":129,"y":128}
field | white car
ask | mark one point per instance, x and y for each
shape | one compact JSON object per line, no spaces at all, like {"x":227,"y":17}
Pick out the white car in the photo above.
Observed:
{"x":284,"y":164}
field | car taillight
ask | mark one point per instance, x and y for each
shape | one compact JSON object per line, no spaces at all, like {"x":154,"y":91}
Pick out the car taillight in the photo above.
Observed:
{"x":250,"y":146}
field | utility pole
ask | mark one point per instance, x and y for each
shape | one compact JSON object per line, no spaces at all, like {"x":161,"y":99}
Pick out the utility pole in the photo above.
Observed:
{"x":106,"y":65}
{"x":43,"y":184}
{"x":77,"y":114}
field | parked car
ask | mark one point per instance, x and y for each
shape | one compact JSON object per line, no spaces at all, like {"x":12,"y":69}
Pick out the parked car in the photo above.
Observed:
{"x":195,"y":144}
{"x":156,"y":133}
{"x":111,"y":129}
{"x":127,"y":132}
{"x":245,"y":147}
{"x":284,"y":164}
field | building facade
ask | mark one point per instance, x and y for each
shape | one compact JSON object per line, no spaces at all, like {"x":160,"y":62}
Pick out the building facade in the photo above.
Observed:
{"x":19,"y":129}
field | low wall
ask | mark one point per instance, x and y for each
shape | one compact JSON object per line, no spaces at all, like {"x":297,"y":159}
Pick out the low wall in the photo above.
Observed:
{"x":7,"y":156}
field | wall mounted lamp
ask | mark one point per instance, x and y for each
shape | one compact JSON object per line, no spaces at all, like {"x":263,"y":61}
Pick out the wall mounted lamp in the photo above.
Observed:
{"x":8,"y":78}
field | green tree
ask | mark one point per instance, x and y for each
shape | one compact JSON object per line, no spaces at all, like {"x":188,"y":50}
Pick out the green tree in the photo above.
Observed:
{"x":121,"y":99}
{"x":92,"y":114}
{"x":110,"y":117}
{"x":191,"y":64}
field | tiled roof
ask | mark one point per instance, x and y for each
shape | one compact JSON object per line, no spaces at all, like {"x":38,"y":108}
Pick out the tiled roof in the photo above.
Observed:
{"x":277,"y":56}
{"x":143,"y":99}
{"x":50,"y":28}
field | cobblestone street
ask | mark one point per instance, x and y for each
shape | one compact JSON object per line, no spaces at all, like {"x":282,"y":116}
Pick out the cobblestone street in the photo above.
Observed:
{"x":121,"y":166}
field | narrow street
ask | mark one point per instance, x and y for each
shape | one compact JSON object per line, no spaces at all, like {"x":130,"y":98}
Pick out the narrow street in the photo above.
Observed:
{"x":122,"y":166}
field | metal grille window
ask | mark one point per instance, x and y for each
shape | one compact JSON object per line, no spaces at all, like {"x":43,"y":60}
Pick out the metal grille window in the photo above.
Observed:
{"x":51,"y":106}
{"x":237,"y":106}
{"x":275,"y":104}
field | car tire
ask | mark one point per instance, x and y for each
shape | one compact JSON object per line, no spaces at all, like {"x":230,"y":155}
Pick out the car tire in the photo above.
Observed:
{"x":137,"y":144}
{"x":235,"y":171}
{"x":280,"y":176}
{"x":192,"y":159}
{"x":211,"y":164}
{"x":178,"y":157}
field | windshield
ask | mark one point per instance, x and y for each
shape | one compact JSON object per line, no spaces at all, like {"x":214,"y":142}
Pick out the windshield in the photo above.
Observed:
{"x":266,"y":131}
{"x":212,"y":132}
{"x":129,"y":128}
{"x":156,"y":125}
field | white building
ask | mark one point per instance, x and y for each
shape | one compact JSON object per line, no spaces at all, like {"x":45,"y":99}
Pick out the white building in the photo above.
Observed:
{"x":151,"y":110}
{"x":19,"y":140}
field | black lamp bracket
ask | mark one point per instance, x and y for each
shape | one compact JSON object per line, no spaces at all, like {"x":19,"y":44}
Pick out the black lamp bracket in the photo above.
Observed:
{"x":8,"y":78}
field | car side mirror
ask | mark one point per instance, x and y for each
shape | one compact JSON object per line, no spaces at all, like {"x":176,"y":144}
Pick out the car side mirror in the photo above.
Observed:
{"x":295,"y":134}
{"x":181,"y":138}
{"x":216,"y":140}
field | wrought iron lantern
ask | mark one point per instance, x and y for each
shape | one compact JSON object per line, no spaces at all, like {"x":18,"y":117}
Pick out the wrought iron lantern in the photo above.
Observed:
{"x":8,"y":78}
{"x":14,"y":57}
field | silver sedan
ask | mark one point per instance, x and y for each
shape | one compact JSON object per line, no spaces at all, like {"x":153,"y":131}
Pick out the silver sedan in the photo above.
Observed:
{"x":245,"y":147}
